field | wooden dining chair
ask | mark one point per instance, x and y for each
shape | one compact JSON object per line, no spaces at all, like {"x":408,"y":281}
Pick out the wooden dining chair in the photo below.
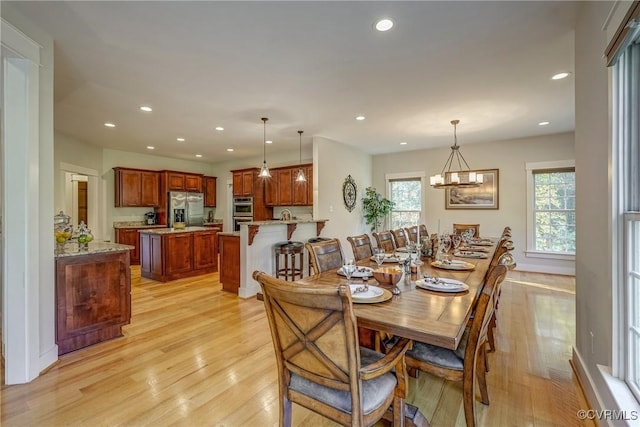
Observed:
{"x":412,"y":233}
{"x":399,"y":237}
{"x":466,"y":364}
{"x":384,"y":240}
{"x":320,"y":363}
{"x":508,"y":261}
{"x":325,"y":255}
{"x":461,"y":228}
{"x":361,"y":246}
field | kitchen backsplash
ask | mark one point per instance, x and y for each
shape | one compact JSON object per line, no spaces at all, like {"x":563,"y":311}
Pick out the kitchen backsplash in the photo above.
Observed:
{"x":298,"y":212}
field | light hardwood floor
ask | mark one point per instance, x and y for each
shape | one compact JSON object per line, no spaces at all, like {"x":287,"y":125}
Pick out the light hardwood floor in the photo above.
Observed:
{"x":196,"y":356}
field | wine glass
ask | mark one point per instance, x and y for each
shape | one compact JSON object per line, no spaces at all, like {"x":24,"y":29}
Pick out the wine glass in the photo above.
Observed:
{"x":445,"y":245}
{"x":378,"y":256}
{"x":457,"y":239}
{"x":348,"y":268}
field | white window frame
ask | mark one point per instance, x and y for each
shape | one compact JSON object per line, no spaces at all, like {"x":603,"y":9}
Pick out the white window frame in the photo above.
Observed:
{"x":408,"y":175}
{"x":530,"y":168}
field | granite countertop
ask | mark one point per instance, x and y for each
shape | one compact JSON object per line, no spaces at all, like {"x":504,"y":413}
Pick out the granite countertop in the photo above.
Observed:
{"x":166,"y":230}
{"x":136,"y":224}
{"x":230,"y":233}
{"x":72,"y":249}
{"x":279,"y":222}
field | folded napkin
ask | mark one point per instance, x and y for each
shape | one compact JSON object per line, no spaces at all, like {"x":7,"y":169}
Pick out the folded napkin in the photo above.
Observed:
{"x":467,"y":254}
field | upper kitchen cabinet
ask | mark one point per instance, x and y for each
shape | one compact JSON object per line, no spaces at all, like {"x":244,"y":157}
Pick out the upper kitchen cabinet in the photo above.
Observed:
{"x":210,"y":191}
{"x":243,"y":182}
{"x":283,"y":189}
{"x":181,"y":181}
{"x":136,"y":188}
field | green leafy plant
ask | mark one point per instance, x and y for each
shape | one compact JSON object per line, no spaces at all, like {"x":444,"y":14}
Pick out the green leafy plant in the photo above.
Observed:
{"x":375,"y":207}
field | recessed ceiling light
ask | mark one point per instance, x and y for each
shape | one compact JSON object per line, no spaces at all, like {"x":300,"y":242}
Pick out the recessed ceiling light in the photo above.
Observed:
{"x":146,"y":108}
{"x":229,"y":149}
{"x":360,"y":118}
{"x":403,"y":143}
{"x":180,"y":139}
{"x":198,"y":155}
{"x":109,"y":125}
{"x":560,"y":76}
{"x":384,"y":24}
{"x":219,"y":128}
{"x":543,"y":123}
{"x":149,"y":147}
{"x":268,"y":142}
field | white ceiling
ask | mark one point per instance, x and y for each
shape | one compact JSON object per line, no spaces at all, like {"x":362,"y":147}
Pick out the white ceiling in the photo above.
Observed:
{"x":305,"y":65}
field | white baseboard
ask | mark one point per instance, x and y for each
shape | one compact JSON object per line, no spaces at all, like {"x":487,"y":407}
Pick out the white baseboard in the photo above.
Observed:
{"x":549,"y":269}
{"x":48,"y":358}
{"x":592,"y":395}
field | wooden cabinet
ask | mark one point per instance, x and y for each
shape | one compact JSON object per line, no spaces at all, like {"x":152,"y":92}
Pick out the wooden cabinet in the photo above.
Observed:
{"x":229,"y":263}
{"x":283,"y":189}
{"x":130,"y":236}
{"x":136,"y":187}
{"x":93,"y":298}
{"x":205,"y":250}
{"x":170,"y":256}
{"x":181,"y":181}
{"x":210,"y":183}
{"x":243,"y":182}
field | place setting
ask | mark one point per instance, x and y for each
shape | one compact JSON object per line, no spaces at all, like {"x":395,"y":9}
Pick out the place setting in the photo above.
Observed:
{"x":470,"y":254}
{"x":439,"y":284}
{"x":363,"y":292}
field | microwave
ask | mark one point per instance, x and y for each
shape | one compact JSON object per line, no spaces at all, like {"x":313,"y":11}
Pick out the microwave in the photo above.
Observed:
{"x":243,"y":206}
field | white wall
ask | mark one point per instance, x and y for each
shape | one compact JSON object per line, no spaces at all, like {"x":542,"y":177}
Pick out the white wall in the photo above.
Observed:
{"x":507,"y":156}
{"x":333,"y":162}
{"x":593,"y":197}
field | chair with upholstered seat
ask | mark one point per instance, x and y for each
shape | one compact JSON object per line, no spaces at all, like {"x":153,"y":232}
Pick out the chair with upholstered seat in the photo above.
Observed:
{"x":466,"y":364}
{"x":399,"y":237}
{"x":461,"y":228}
{"x":320,"y":363}
{"x":361,"y":246}
{"x":325,"y":255}
{"x":384,"y":240}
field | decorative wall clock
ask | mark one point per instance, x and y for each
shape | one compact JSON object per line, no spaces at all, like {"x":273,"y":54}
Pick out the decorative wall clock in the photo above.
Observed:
{"x":349,"y":193}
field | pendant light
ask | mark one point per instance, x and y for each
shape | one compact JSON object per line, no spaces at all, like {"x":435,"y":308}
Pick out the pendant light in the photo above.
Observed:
{"x":264,"y":171}
{"x":456,"y":178}
{"x":300,"y":177}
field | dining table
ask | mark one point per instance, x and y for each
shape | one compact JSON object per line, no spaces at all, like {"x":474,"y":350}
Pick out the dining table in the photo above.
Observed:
{"x":432,"y":317}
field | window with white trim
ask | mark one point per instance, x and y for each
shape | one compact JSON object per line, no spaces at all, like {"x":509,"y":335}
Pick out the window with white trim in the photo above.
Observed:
{"x":626,"y":88}
{"x":551,"y":217}
{"x":405,"y":191}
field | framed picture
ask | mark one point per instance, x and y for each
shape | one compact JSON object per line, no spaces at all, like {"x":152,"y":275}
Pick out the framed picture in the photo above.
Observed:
{"x":483,"y":197}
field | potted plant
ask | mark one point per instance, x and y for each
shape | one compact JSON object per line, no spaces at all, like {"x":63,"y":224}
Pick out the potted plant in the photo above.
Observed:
{"x":375,"y":208}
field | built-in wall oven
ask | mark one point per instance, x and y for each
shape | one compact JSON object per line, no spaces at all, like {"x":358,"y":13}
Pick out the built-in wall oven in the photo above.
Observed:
{"x":242,"y":211}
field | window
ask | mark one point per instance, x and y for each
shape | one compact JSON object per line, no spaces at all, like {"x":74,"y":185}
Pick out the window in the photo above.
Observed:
{"x":626,"y":81}
{"x":405,"y":191}
{"x":551,"y":215}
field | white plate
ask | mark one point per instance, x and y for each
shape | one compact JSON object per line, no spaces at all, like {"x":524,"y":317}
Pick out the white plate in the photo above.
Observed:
{"x":454,"y":265}
{"x":469,"y":254}
{"x":391,"y":258}
{"x":482,"y":243}
{"x":373,"y":292}
{"x":473,"y":248}
{"x":359,"y":273}
{"x":444,"y":285}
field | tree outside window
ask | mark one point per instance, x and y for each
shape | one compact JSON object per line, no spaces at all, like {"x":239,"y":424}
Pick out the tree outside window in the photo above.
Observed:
{"x":406,"y":194}
{"x":554,"y":210}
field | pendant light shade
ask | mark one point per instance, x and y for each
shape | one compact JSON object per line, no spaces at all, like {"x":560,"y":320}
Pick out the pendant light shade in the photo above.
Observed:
{"x":300,"y":177}
{"x":264,"y":170}
{"x":456,"y":178}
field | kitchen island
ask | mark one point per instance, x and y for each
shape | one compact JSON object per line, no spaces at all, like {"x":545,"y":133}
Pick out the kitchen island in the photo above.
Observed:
{"x":172,"y":253}
{"x":256,"y":247}
{"x":93,"y":294}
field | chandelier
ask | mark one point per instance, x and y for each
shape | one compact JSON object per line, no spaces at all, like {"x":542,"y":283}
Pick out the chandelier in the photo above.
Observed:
{"x":456,"y":178}
{"x":264,"y":170}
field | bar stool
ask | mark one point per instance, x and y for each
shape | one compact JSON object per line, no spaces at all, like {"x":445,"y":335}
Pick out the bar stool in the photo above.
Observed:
{"x":293,"y":254}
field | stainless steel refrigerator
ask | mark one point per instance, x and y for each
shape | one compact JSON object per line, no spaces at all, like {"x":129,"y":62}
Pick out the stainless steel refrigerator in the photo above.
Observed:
{"x":187,"y":208}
